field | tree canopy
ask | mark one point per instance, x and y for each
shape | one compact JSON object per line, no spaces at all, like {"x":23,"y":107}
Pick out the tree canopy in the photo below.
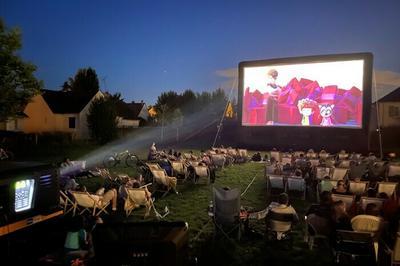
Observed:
{"x":170,"y":104}
{"x":102,"y":118}
{"x":17,"y":81}
{"x":85,"y":81}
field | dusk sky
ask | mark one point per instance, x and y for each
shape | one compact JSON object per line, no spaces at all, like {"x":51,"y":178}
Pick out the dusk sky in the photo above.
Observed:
{"x":142,"y":48}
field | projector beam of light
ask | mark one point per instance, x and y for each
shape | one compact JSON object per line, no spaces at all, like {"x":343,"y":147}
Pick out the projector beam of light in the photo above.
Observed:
{"x":143,"y":137}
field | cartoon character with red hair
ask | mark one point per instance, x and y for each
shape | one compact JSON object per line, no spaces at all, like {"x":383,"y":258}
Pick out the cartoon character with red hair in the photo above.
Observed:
{"x":306,"y":108}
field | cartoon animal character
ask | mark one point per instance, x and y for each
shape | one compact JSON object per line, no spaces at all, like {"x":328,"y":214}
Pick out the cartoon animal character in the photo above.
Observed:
{"x":306,"y":108}
{"x":326,"y":110}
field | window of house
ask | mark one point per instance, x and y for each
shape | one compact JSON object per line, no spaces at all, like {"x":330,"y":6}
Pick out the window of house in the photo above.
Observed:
{"x":394,"y":111}
{"x":71,"y":122}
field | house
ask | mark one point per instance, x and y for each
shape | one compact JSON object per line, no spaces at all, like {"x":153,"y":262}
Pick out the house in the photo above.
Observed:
{"x":389,"y":109}
{"x":131,"y":115}
{"x":59,"y":111}
{"x":14,"y":123}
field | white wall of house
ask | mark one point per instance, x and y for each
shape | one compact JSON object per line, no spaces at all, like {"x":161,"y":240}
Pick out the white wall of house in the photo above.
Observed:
{"x":83,"y":132}
{"x":144,"y":113}
{"x":389,"y":114}
{"x":127,"y":123}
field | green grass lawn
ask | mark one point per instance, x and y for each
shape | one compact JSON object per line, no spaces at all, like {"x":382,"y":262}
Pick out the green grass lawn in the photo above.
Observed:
{"x":191,"y":204}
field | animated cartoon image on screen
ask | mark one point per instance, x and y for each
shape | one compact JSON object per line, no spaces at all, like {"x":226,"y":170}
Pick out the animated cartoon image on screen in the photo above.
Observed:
{"x":326,"y":111}
{"x":274,"y":95}
{"x":306,"y":108}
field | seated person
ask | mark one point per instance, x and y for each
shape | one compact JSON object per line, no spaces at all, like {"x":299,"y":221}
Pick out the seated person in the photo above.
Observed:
{"x":341,"y":188}
{"x":283,"y":207}
{"x":76,"y":240}
{"x":325,"y":184}
{"x":164,"y":164}
{"x":152,"y":152}
{"x":281,"y":217}
{"x":71,"y":184}
{"x":323,"y":209}
{"x":256,"y":157}
{"x":340,"y":218}
{"x":66,"y":162}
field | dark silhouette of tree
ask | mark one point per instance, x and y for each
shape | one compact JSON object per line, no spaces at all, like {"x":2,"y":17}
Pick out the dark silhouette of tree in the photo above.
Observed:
{"x":17,"y":82}
{"x":102,"y":118}
{"x":85,"y":81}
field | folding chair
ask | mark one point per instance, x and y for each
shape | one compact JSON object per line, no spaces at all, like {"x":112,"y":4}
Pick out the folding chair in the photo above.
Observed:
{"x":179,"y":169}
{"x":243,"y":154}
{"x":279,"y":226}
{"x":330,"y":163}
{"x":358,"y":188}
{"x":298,"y":153}
{"x":201,"y":171}
{"x":368,"y":224}
{"x":321,"y":172}
{"x":153,"y":166}
{"x":296,"y":184}
{"x":317,"y":229}
{"x":387,"y":187}
{"x":226,"y":212}
{"x":343,"y":156}
{"x":393,"y":173}
{"x":86,"y":201}
{"x":354,"y":247}
{"x":311,"y":155}
{"x":339,"y":173}
{"x":344,"y":164}
{"x":324,"y":155}
{"x":160,"y":177}
{"x":276,"y":155}
{"x":364,"y":201}
{"x":66,"y":203}
{"x":348,"y":200}
{"x":314,"y":162}
{"x":137,"y":197}
{"x":275,"y":182}
{"x":286,"y":160}
{"x":218,"y":160}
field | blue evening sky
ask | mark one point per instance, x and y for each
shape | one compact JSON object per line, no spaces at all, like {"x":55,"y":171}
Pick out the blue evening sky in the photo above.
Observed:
{"x":144,"y":47}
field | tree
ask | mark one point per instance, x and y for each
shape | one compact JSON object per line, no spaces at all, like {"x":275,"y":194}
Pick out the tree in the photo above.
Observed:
{"x":84,"y":82}
{"x":17,"y":82}
{"x":102,"y":118}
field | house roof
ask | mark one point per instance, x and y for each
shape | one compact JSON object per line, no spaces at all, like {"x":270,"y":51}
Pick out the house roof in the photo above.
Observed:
{"x":129,"y":110}
{"x":66,"y":102}
{"x":394,"y":96}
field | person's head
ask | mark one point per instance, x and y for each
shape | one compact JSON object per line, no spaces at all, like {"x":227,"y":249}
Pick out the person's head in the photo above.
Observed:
{"x":325,"y":197}
{"x":341,"y":184}
{"x":339,"y":207}
{"x":372,"y":209}
{"x":383,"y":195}
{"x":272,"y":160}
{"x":298,"y":172}
{"x":301,"y":155}
{"x":283,"y":198}
{"x":273,"y":73}
{"x":371,"y":192}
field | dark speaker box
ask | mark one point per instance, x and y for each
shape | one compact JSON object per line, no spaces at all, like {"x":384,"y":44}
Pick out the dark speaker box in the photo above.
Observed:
{"x":141,"y":243}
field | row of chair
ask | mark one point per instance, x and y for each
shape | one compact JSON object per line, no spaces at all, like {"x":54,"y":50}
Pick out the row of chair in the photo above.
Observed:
{"x":286,"y":184}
